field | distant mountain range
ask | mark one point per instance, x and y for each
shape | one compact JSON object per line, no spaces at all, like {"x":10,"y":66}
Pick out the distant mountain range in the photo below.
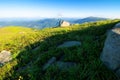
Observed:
{"x":89,"y":19}
{"x":42,"y":23}
{"x":47,"y":22}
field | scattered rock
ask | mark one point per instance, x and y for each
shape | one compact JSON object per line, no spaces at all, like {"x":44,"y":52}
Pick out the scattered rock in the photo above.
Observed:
{"x":111,"y":51}
{"x":5,"y":56}
{"x":64,"y":24}
{"x":117,"y":25}
{"x":65,"y":65}
{"x":69,"y":44}
{"x":36,"y":49}
{"x":50,"y":62}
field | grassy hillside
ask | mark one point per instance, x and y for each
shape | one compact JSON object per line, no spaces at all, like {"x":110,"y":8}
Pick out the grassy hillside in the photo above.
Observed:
{"x":27,"y":62}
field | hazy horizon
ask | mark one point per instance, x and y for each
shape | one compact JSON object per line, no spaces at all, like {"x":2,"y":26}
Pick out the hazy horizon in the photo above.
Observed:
{"x":59,"y":8}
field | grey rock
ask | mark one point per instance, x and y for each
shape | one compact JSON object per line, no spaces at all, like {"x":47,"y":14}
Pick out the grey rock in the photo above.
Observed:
{"x":65,"y":65}
{"x":36,"y":49}
{"x":65,"y":24}
{"x":50,"y":62}
{"x":69,"y":44}
{"x":111,"y":51}
{"x":5,"y":56}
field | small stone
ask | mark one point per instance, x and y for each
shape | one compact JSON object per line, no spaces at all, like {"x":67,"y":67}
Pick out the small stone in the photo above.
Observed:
{"x":69,"y":44}
{"x":5,"y":56}
{"x":50,"y":62}
{"x":36,"y":49}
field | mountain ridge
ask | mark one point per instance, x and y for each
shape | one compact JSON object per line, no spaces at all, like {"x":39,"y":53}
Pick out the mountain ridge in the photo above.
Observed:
{"x":48,"y":22}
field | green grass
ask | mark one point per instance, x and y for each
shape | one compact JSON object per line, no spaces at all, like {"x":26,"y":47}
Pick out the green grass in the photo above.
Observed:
{"x":27,"y":64}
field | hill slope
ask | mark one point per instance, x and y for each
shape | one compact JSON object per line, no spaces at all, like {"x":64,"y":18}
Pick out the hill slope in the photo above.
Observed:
{"x":28,"y":61}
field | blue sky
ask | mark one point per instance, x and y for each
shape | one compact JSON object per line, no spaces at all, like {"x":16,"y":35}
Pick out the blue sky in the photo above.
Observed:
{"x":59,"y":8}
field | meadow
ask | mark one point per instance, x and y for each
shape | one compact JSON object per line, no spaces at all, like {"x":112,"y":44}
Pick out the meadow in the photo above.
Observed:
{"x":27,"y":61}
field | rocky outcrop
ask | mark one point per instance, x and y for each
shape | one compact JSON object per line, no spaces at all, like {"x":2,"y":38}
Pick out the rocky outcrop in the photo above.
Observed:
{"x":64,"y":24}
{"x":58,"y":62}
{"x":111,"y":51}
{"x":5,"y":56}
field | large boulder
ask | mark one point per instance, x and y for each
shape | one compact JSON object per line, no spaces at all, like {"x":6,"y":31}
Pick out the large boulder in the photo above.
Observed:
{"x":5,"y":56}
{"x":69,"y":44}
{"x":111,"y":51}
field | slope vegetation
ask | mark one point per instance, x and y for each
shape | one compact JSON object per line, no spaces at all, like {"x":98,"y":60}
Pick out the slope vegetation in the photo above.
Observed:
{"x":28,"y":61}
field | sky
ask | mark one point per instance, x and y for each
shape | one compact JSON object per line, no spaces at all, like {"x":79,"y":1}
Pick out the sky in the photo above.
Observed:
{"x":59,"y":8}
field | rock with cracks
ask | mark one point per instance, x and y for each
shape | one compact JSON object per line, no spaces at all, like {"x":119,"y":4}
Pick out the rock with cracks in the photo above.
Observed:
{"x":111,"y":51}
{"x":5,"y":56}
